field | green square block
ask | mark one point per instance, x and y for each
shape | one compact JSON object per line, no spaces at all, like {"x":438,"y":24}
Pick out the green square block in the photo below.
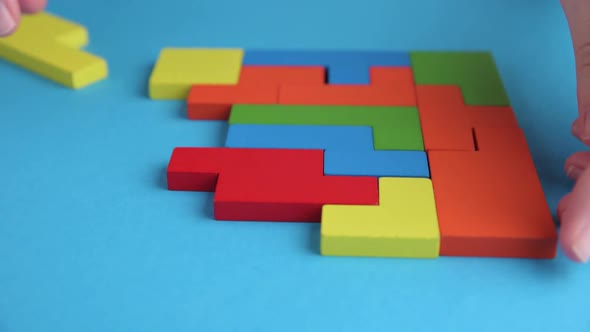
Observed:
{"x":475,"y":72}
{"x":394,"y":128}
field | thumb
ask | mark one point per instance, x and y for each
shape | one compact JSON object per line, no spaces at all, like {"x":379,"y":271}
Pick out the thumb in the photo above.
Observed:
{"x":575,"y":220}
{"x":9,"y":16}
{"x":577,"y":13}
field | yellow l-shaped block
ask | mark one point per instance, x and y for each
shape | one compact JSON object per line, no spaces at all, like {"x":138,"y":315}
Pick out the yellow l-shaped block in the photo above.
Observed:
{"x":51,"y":47}
{"x":405,"y":224}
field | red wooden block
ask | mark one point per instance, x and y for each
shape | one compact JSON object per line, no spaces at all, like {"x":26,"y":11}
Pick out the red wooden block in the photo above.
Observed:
{"x":277,"y":75}
{"x":446,"y":124}
{"x":353,"y":95}
{"x":490,"y":202}
{"x":213,"y":102}
{"x":266,"y":184}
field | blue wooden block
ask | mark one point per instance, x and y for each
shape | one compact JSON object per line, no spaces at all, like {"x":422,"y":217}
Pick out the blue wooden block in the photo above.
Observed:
{"x":299,"y":137}
{"x":380,"y":163}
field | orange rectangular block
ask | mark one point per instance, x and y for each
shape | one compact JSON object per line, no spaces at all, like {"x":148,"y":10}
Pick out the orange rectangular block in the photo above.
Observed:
{"x":305,"y":75}
{"x":492,"y":116}
{"x":490,"y":202}
{"x":214,"y":102}
{"x":352,"y":95}
{"x":391,"y":76}
{"x":446,"y":124}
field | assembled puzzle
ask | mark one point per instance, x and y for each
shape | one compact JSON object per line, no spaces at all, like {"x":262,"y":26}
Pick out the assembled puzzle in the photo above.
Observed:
{"x":396,"y":154}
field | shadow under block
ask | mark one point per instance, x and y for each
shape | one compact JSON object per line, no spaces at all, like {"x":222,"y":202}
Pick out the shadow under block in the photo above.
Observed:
{"x":178,"y":69}
{"x":51,"y":47}
{"x":394,"y":128}
{"x":404,"y":224}
{"x":474,"y":72}
{"x":490,"y":202}
{"x":266,"y":184}
{"x":344,"y":67}
{"x":348,"y":150}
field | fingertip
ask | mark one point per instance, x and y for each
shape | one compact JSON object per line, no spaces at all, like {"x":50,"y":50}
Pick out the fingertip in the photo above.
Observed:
{"x":574,"y":213}
{"x":9,"y":17}
{"x":32,"y":6}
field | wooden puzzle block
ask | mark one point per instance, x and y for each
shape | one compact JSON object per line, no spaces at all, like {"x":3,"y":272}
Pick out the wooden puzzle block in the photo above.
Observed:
{"x":214,"y":102}
{"x":379,"y":163}
{"x":277,"y":75}
{"x":444,"y":119}
{"x":394,"y":128}
{"x":178,"y":69}
{"x":344,"y":67}
{"x":299,"y":137}
{"x":266,"y":184}
{"x":51,"y":47}
{"x":347,"y":95}
{"x":398,"y":78}
{"x":474,"y":72}
{"x":491,"y":116}
{"x":404,"y":224}
{"x":490,"y":202}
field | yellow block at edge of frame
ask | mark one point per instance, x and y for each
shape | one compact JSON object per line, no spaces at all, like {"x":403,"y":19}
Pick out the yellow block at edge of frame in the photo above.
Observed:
{"x":404,"y":225}
{"x":51,"y":47}
{"x":177,"y":69}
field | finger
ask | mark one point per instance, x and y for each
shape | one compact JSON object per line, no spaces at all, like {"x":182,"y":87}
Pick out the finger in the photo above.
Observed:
{"x":575,"y":221}
{"x":576,"y":164}
{"x":32,"y":6}
{"x":578,"y":17}
{"x":563,"y":204}
{"x":9,"y":17}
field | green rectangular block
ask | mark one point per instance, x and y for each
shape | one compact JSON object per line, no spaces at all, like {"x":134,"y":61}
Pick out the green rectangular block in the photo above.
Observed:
{"x":394,"y":128}
{"x":474,"y":72}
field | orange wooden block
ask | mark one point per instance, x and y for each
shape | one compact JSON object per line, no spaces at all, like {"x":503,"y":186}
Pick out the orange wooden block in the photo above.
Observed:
{"x":214,"y":102}
{"x":305,"y":75}
{"x":391,"y":76}
{"x":490,"y":202}
{"x":491,"y":116}
{"x":352,"y":95}
{"x":446,"y":124}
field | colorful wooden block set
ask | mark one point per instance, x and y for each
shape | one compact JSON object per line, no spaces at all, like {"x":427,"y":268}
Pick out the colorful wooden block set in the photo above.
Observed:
{"x":396,"y":154}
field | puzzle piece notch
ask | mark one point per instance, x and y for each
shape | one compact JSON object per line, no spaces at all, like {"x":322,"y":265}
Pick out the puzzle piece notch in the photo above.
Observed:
{"x":266,"y":184}
{"x":404,"y":224}
{"x":50,"y":46}
{"x":394,"y":128}
{"x":447,"y":123}
{"x":490,"y":202}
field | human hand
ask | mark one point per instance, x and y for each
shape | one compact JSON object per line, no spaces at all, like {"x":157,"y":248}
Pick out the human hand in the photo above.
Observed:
{"x":574,"y":208}
{"x":11,"y":11}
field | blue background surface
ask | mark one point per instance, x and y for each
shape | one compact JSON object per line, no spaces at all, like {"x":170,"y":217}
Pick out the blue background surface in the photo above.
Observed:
{"x":91,"y":240}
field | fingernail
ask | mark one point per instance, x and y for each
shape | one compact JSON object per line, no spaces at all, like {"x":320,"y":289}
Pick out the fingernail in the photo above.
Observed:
{"x":7,"y":22}
{"x":581,"y":248}
{"x":573,"y":172}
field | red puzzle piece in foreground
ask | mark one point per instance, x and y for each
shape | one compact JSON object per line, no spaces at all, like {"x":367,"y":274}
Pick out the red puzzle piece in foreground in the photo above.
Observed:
{"x":266,"y":184}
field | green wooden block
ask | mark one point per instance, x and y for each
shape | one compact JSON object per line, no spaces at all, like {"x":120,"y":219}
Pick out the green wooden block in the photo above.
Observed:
{"x":475,"y":72}
{"x":394,"y":128}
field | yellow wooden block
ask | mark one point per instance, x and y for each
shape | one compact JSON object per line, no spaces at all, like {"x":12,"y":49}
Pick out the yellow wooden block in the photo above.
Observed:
{"x":50,"y":46}
{"x":405,"y":224}
{"x":177,"y":69}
